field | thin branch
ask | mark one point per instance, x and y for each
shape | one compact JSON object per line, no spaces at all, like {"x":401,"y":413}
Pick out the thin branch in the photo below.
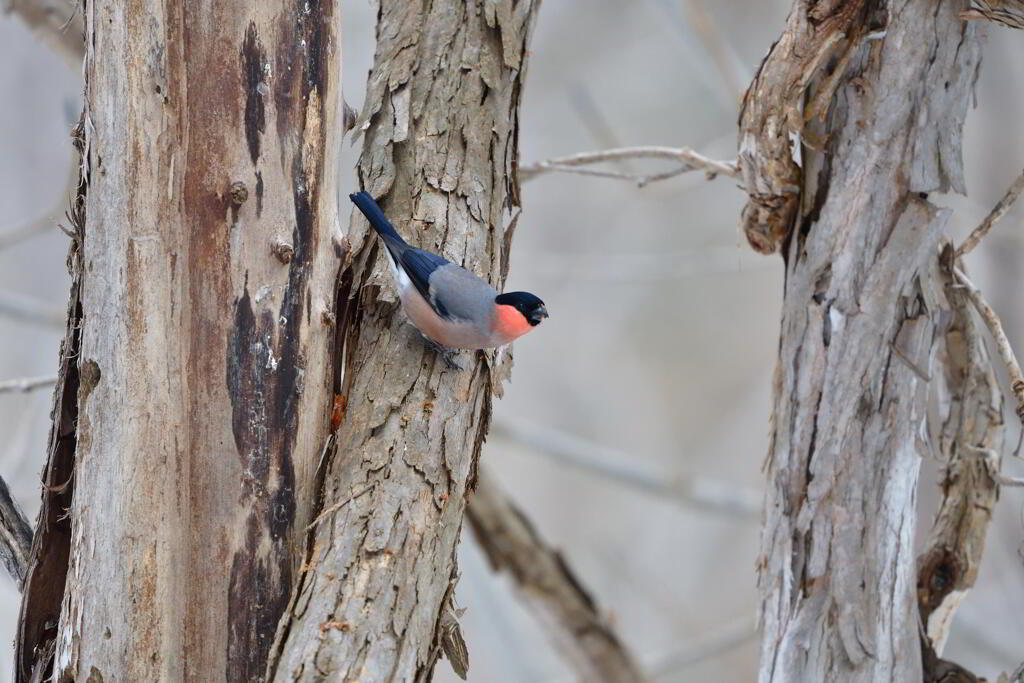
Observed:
{"x":548,"y":585}
{"x":29,"y":310}
{"x":15,"y":536}
{"x":998,"y":211}
{"x":56,"y":22}
{"x":717,"y":47}
{"x":995,"y":327}
{"x":715,"y":644}
{"x":688,"y":158}
{"x":692,"y":491}
{"x":24,"y":384}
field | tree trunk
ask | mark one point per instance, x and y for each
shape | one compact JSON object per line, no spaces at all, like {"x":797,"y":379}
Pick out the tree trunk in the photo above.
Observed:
{"x":440,"y":150}
{"x":201,"y":383}
{"x":886,"y":86}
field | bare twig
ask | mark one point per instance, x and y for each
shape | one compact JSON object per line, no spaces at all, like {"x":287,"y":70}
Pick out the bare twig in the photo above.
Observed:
{"x":27,"y":383}
{"x":717,"y":47}
{"x":29,"y":310}
{"x":337,"y":506}
{"x":995,"y":327}
{"x":15,"y":536}
{"x":998,"y":211}
{"x":28,"y":230}
{"x":548,"y":585}
{"x":688,"y":158}
{"x":715,"y":644}
{"x":56,"y":22}
{"x":693,"y":491}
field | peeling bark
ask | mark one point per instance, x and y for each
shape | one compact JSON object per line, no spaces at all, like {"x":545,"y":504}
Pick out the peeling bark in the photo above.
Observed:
{"x":862,"y":312}
{"x":203,"y":368}
{"x":970,"y":441}
{"x":46,"y":574}
{"x":440,"y":151}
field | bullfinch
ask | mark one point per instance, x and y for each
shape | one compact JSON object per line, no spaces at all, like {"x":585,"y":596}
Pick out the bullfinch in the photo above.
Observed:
{"x":449,"y":305}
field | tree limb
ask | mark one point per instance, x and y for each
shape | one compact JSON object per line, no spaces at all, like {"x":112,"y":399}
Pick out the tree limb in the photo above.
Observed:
{"x":995,"y":327}
{"x":998,"y":211}
{"x":548,"y":585}
{"x":688,"y":159}
{"x":26,"y":383}
{"x":692,"y":491}
{"x":57,"y":23}
{"x":15,"y":536}
{"x":971,"y":434}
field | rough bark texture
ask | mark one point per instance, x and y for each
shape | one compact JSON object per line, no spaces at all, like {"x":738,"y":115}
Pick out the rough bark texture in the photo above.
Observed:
{"x":43,"y":588}
{"x":862,"y":304}
{"x":970,"y":442}
{"x":440,"y":150}
{"x":15,"y":536}
{"x":201,"y":385}
{"x":548,"y":586}
{"x":773,"y":111}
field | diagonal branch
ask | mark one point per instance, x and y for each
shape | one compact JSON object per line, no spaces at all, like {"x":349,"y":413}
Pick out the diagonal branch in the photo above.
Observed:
{"x":998,"y":211}
{"x":971,"y":434}
{"x":995,"y":327}
{"x":15,"y":535}
{"x":58,"y":23}
{"x":692,"y":491}
{"x":548,"y":585}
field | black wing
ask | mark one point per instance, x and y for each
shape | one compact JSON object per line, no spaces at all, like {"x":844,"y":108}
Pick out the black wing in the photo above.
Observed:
{"x":418,"y":265}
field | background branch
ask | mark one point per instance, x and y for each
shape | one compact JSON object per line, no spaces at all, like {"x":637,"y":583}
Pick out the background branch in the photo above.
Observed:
{"x":56,"y":22}
{"x":998,"y":211}
{"x":702,"y":493}
{"x":578,"y":163}
{"x":15,"y":535}
{"x":26,"y":383}
{"x":548,"y":585}
{"x":995,"y":327}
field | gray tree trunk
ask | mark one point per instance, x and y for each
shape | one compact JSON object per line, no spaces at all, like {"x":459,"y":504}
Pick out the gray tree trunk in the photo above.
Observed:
{"x":864,"y":310}
{"x":440,"y":150}
{"x":194,"y":405}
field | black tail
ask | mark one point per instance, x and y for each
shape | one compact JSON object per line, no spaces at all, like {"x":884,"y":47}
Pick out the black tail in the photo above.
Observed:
{"x":365,"y":203}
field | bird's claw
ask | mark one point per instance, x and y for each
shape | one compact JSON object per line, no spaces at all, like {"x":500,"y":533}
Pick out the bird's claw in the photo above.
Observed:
{"x":445,"y":354}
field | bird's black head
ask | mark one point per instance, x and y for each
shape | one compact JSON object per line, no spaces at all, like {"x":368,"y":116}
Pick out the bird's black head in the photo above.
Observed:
{"x":529,"y":305}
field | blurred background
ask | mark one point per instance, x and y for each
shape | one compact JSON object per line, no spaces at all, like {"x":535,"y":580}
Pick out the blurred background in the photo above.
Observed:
{"x":636,"y":423}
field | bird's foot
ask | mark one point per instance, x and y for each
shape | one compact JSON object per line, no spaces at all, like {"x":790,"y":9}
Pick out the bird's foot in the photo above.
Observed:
{"x":445,"y":354}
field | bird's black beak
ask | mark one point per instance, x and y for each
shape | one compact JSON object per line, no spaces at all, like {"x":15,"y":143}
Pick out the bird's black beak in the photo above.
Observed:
{"x":539,"y":314}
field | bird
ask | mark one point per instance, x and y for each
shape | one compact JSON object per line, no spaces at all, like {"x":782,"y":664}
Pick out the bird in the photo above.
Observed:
{"x":450,"y":306}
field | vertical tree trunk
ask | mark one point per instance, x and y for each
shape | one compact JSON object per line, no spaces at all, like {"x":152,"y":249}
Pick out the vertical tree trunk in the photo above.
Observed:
{"x":202,"y":380}
{"x":862,"y":314}
{"x":440,"y":150}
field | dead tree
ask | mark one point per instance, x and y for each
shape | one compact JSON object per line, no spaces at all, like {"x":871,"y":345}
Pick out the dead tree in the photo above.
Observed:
{"x":195,"y":388}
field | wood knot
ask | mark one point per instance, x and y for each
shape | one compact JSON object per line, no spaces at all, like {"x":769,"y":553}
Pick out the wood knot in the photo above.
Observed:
{"x":239,"y":193}
{"x":282,"y":250}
